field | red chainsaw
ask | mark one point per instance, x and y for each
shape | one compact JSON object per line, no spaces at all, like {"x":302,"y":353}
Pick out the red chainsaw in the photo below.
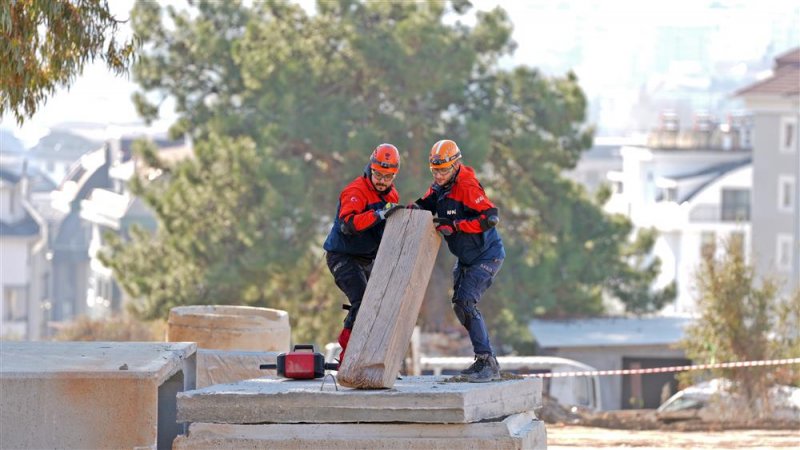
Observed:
{"x":302,"y":363}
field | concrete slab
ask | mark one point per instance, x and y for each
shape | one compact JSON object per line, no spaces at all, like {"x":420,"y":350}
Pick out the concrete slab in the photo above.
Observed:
{"x":92,"y":394}
{"x":424,"y":399}
{"x":518,"y":431}
{"x":227,"y":366}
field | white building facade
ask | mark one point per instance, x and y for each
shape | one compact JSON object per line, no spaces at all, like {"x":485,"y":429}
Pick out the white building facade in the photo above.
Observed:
{"x":694,"y":198}
{"x":595,"y":163}
{"x":24,"y":268}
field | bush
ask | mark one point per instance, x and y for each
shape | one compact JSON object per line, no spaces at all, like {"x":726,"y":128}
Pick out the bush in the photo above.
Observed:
{"x":742,"y":319}
{"x":118,"y":328}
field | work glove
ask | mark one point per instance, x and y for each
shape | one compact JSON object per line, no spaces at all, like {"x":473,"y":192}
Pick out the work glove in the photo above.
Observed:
{"x":388,"y":210}
{"x":489,"y":222}
{"x":445,"y":226}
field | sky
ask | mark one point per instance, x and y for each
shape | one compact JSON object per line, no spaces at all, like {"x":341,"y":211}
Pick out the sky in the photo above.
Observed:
{"x":612,"y":45}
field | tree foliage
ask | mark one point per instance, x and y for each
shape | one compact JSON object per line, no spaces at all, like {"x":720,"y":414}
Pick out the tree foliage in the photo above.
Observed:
{"x":786,"y":339}
{"x":285,"y":108}
{"x":45,"y":44}
{"x":739,"y":321}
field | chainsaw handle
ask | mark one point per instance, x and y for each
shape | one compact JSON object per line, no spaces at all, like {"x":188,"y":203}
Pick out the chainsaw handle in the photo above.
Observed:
{"x":304,"y":347}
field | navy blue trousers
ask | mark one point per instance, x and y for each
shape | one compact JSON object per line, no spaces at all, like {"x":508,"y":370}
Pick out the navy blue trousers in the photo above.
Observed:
{"x":470,"y":282}
{"x":351,"y":274}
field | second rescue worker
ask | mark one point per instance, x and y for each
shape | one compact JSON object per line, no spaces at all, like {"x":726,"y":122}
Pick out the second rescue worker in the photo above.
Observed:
{"x":466,"y":218}
{"x":353,"y":241}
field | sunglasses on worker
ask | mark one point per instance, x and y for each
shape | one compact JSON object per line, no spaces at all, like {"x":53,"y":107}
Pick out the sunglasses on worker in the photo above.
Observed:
{"x":386,"y":177}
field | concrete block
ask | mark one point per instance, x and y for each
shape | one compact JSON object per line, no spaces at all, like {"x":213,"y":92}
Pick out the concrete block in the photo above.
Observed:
{"x":423,"y":399}
{"x":224,"y":366}
{"x":391,"y":303}
{"x":224,"y":327}
{"x":85,"y":395}
{"x":518,"y":431}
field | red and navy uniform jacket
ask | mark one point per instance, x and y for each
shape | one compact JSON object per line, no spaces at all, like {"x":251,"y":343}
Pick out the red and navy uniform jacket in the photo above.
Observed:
{"x":358,"y":229}
{"x":464,"y":201}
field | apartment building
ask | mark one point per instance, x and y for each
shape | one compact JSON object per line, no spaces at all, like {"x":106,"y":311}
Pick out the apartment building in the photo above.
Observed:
{"x":775,"y":105}
{"x":692,"y":187}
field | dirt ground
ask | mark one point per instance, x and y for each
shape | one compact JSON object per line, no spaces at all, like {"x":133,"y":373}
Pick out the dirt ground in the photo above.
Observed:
{"x":561,"y":436}
{"x":641,"y":429}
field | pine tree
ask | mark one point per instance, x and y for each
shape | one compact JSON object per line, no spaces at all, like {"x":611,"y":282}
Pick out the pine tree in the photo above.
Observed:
{"x":46,"y":44}
{"x":304,"y":99}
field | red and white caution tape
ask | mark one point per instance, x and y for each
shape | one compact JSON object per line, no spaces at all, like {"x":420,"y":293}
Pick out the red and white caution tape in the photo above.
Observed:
{"x":591,"y":373}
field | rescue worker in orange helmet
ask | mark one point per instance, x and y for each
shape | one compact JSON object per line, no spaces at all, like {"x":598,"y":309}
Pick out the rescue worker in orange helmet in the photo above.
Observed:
{"x":352,"y":244}
{"x":466,"y":218}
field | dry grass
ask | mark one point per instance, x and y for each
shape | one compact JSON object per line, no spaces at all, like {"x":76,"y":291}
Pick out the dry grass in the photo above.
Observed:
{"x":120,"y":328}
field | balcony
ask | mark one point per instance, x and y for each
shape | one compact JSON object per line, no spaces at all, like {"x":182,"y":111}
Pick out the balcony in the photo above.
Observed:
{"x":707,"y":212}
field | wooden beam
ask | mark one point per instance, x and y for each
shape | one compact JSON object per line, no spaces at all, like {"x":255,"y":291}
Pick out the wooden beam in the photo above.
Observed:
{"x":391,"y":302}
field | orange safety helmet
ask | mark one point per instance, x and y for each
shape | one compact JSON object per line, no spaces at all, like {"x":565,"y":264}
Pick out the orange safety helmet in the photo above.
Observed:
{"x":444,"y":154}
{"x":385,"y":158}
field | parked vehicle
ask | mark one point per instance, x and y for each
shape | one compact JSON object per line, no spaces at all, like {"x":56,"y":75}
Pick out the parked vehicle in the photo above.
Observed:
{"x":716,"y":400}
{"x":572,"y":391}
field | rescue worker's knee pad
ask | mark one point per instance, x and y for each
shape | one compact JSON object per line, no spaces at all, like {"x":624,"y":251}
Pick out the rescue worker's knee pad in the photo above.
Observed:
{"x":465,"y":311}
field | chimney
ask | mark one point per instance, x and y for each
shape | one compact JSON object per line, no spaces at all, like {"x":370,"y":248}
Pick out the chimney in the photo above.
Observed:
{"x":24,"y":182}
{"x":107,"y":152}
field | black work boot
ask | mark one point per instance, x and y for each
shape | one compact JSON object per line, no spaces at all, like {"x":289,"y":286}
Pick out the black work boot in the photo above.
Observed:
{"x":476,"y":366}
{"x":489,"y":369}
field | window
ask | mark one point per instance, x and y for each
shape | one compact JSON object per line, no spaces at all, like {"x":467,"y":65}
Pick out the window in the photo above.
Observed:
{"x":735,"y":205}
{"x":667,"y":195}
{"x":746,"y":137}
{"x":788,"y":136}
{"x":785,"y":193}
{"x":708,"y":244}
{"x":14,"y":308}
{"x":783,"y":252}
